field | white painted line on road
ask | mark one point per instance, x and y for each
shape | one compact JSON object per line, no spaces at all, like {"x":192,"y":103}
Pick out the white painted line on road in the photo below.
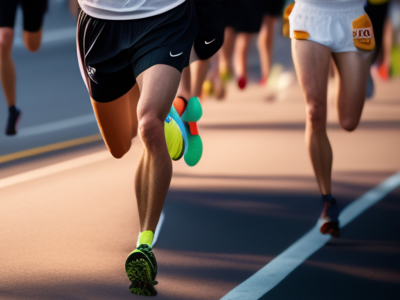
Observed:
{"x":55,"y":126}
{"x":53,"y":169}
{"x":51,"y":36}
{"x":158,"y":228}
{"x":272,"y":274}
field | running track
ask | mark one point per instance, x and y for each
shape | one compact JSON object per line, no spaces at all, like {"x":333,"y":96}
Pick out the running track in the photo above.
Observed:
{"x":68,"y":218}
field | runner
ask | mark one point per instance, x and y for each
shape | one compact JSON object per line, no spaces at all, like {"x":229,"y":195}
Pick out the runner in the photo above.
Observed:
{"x":377,"y":10}
{"x":208,"y":41}
{"x":131,"y":54}
{"x":33,"y":13}
{"x":272,"y":10}
{"x":248,"y":22}
{"x":242,"y":20}
{"x":225,"y":64}
{"x":321,"y":30}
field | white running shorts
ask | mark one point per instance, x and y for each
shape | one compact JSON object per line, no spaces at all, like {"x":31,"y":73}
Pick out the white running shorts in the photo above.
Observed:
{"x":340,"y":26}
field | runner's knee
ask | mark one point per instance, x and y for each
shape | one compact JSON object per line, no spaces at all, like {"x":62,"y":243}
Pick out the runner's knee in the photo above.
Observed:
{"x":349,"y":124}
{"x":151,"y":131}
{"x":6,"y":40}
{"x":118,"y":151}
{"x":316,"y":115}
{"x":32,"y":40}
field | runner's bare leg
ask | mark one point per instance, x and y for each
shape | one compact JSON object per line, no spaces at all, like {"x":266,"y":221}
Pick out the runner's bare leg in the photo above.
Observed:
{"x":32,"y":40}
{"x":312,"y":62}
{"x":265,"y":43}
{"x":7,"y":67}
{"x":158,"y":86}
{"x":353,"y":69}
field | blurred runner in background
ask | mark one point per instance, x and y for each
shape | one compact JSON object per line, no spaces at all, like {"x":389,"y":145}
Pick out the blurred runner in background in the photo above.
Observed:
{"x":33,"y":13}
{"x":225,"y":64}
{"x":208,"y":41}
{"x":377,"y":10}
{"x":248,"y":18}
{"x":272,"y":11}
{"x":321,"y":30}
{"x":131,"y":55}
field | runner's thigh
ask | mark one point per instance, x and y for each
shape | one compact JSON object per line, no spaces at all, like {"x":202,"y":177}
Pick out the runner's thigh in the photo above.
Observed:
{"x":311,"y":62}
{"x":353,"y":69}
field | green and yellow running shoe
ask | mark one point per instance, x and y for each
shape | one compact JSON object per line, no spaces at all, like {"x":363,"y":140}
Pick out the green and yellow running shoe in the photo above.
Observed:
{"x":174,"y":139}
{"x":141,"y":268}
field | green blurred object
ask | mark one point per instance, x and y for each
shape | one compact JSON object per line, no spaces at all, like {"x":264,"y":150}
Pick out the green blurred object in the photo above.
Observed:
{"x":396,"y":61}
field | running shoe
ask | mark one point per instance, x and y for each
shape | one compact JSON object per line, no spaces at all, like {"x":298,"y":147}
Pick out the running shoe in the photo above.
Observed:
{"x":225,"y":76}
{"x":141,"y":268}
{"x":207,"y":88}
{"x":384,"y":72}
{"x":13,"y":118}
{"x":242,"y":82}
{"x":174,"y":138}
{"x":189,"y":113}
{"x":329,"y":218}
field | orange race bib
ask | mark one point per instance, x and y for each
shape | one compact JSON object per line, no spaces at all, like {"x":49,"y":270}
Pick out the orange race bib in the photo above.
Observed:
{"x":363,"y":33}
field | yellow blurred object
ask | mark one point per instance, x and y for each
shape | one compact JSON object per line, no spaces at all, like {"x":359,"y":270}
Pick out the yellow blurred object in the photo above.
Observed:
{"x":225,"y":75}
{"x":207,"y":89}
{"x":377,"y":2}
{"x":301,"y":35}
{"x":286,"y":25}
{"x":363,"y":34}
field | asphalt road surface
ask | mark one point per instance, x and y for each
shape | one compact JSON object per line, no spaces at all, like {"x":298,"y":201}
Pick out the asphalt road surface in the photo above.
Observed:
{"x":69,"y":217}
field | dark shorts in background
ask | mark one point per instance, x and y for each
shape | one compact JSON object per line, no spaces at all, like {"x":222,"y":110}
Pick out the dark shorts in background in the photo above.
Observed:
{"x":273,"y":8}
{"x":210,"y":36}
{"x":243,"y":15}
{"x":377,"y":13}
{"x":33,"y":13}
{"x":113,"y":53}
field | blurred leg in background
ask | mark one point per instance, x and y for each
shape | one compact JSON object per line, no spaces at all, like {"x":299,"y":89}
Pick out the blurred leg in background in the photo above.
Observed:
{"x":272,"y":10}
{"x":73,"y":7}
{"x":249,"y":18}
{"x":33,"y":13}
{"x":225,"y":64}
{"x":377,"y":11}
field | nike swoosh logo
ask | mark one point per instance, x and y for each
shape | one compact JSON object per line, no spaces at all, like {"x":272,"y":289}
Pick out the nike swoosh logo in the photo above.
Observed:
{"x":205,"y":42}
{"x":174,"y":55}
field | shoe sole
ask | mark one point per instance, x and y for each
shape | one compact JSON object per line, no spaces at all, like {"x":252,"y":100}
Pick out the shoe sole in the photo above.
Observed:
{"x":195,"y":149}
{"x":331,"y":228}
{"x":139,"y":273}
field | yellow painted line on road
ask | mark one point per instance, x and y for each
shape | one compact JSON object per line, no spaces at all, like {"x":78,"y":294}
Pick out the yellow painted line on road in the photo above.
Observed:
{"x":50,"y":148}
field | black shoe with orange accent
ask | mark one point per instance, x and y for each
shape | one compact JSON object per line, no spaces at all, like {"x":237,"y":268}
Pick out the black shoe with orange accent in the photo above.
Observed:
{"x":13,"y":119}
{"x":329,"y":218}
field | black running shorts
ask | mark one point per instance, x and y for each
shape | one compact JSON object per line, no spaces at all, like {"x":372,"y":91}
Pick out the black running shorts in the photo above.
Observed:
{"x":210,"y":36}
{"x":228,"y":12}
{"x":112,"y":54}
{"x":273,"y":8}
{"x":33,"y":12}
